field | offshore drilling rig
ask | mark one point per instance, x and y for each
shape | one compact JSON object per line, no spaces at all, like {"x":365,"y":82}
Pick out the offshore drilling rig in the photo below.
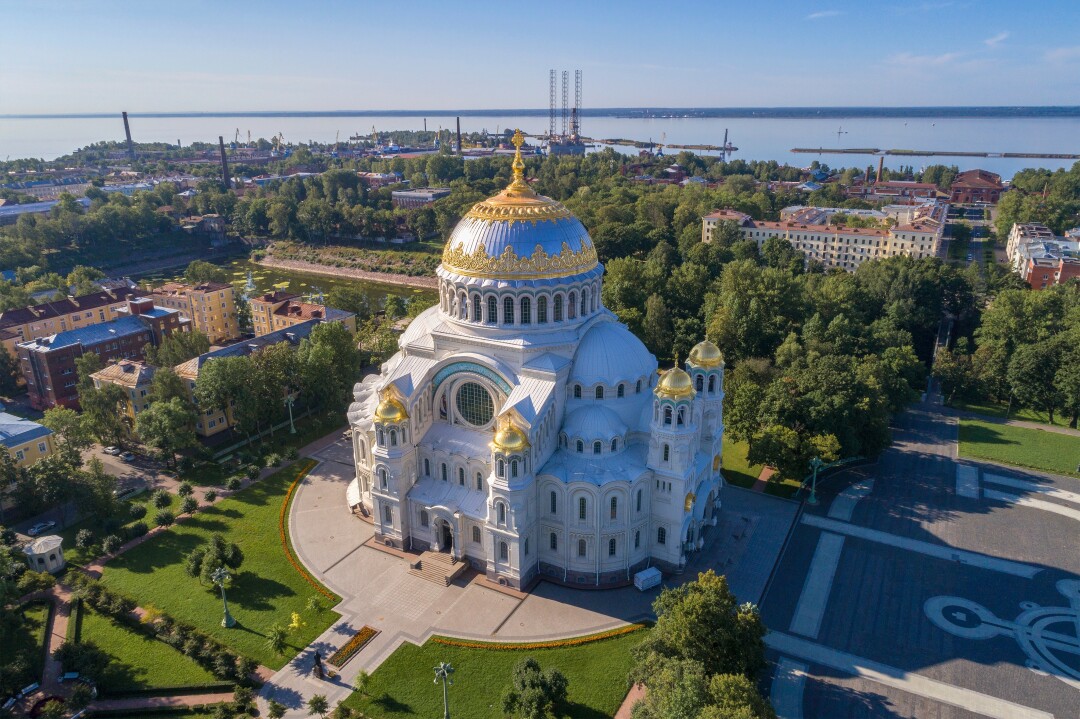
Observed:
{"x":567,"y":141}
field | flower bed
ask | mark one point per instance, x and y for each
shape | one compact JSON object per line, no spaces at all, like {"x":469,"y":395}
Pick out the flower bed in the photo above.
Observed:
{"x":353,"y":646}
{"x":554,"y":644}
{"x":304,"y":467}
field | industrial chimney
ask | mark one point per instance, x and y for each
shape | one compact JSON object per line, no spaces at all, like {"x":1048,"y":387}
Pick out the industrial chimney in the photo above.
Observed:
{"x":460,"y":149}
{"x":224,"y":163}
{"x":880,"y":168}
{"x":127,"y":131}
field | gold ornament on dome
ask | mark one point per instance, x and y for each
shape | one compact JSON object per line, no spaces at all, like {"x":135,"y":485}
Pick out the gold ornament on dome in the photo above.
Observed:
{"x":538,"y":266}
{"x":675,"y":383}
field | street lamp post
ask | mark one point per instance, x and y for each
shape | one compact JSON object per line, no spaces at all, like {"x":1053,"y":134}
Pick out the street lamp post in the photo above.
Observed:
{"x":290,"y":398}
{"x":815,"y":465}
{"x":443,"y":671}
{"x":219,"y":577}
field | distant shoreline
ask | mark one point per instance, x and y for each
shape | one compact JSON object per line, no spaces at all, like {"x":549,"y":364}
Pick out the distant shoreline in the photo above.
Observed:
{"x":961,"y":111}
{"x":420,"y":283}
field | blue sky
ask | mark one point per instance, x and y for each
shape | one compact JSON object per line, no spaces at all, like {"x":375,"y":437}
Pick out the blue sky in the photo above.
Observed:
{"x":67,"y":56}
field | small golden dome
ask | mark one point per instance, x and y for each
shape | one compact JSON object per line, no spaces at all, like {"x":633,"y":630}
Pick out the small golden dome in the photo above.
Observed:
{"x":390,"y":410}
{"x":675,"y":384}
{"x":706,"y":354}
{"x":510,"y":439}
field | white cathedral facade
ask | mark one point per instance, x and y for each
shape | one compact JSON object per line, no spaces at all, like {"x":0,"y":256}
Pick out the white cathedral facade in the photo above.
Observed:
{"x":523,"y":429}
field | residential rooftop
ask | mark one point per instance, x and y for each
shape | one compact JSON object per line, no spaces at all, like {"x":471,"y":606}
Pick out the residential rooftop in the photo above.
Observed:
{"x":15,"y":431}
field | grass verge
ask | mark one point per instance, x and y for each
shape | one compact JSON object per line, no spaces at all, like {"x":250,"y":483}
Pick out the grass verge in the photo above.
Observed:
{"x":265,"y":591}
{"x":402,"y":687}
{"x":138,"y":661}
{"x":1019,"y":446}
{"x":736,"y":469}
{"x":998,"y":409}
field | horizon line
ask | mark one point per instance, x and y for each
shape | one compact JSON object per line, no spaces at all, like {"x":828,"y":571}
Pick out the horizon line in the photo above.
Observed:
{"x":644,"y":112}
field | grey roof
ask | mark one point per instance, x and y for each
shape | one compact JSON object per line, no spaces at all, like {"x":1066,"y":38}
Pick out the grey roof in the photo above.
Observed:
{"x":16,"y":430}
{"x":293,"y":335}
{"x":16,"y":210}
{"x":92,"y":335}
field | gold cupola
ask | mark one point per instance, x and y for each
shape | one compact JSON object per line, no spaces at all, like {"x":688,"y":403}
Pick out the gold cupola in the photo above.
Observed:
{"x":509,"y":438}
{"x":390,"y":409}
{"x":675,"y":383}
{"x":706,"y":355}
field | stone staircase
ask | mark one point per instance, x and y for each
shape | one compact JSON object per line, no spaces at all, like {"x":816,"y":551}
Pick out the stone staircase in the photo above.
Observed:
{"x":438,"y":567}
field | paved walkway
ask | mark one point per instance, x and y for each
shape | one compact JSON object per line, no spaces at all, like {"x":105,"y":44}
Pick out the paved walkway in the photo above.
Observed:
{"x":132,"y":703}
{"x":377,"y":590}
{"x":626,"y":709}
{"x":763,"y":479}
{"x":1015,"y":422}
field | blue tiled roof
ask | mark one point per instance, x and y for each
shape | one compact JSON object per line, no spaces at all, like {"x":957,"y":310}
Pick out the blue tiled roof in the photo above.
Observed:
{"x":16,"y":430}
{"x":92,"y":335}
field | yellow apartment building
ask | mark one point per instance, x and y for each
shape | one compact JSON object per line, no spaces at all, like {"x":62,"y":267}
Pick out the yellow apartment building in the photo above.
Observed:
{"x":133,"y":377}
{"x":211,"y":307}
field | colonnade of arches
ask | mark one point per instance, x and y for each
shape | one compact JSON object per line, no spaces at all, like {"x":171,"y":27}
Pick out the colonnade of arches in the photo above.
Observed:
{"x":519,"y":308}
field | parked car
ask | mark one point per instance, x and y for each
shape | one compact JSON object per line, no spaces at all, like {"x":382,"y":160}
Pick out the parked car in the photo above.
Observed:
{"x":40,"y":527}
{"x":126,"y":456}
{"x":114,"y":451}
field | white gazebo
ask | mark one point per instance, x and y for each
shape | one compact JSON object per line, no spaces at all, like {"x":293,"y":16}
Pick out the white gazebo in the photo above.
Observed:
{"x":45,"y":554}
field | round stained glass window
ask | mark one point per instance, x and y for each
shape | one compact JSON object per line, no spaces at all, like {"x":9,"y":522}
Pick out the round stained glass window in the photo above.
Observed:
{"x":474,"y":404}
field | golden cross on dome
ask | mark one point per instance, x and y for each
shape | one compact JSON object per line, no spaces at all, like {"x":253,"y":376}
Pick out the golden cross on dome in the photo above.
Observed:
{"x":519,"y":164}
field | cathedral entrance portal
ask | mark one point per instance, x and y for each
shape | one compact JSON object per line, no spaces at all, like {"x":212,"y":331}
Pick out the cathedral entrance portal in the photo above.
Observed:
{"x":445,"y":536}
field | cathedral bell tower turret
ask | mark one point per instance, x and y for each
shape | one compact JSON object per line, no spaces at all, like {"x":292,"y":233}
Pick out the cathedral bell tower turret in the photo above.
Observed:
{"x":393,"y":457}
{"x":706,"y":367}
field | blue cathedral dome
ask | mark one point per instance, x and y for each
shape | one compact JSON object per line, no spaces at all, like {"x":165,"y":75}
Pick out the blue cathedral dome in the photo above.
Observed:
{"x":519,"y":234}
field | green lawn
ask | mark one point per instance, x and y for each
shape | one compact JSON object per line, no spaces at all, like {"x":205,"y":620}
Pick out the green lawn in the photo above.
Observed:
{"x":265,"y":591}
{"x":734,"y":466}
{"x":1033,"y":448}
{"x":81,"y":556}
{"x":26,"y":639}
{"x":137,"y":661}
{"x":403,"y":686}
{"x":998,"y":409}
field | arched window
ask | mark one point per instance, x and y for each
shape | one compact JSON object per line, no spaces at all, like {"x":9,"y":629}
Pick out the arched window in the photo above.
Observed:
{"x":712,"y":383}
{"x":571,"y":306}
{"x":461,"y":476}
{"x":554,"y":502}
{"x":463,"y":305}
{"x":508,"y":311}
{"x":615,"y":444}
{"x":597,"y":447}
{"x":513,"y":468}
{"x":493,"y":311}
{"x":661,"y":535}
{"x":525,"y":547}
{"x":423,"y":518}
{"x":393,"y":438}
{"x":614,"y":507}
{"x":526,"y":311}
{"x":427,"y":467}
{"x":581,"y":547}
{"x":476,"y":309}
{"x":558,"y":308}
{"x":541,"y":310}
{"x":599,"y":393}
{"x":500,"y":468}
{"x":638,"y":500}
{"x":637,"y":539}
{"x":577,"y":391}
{"x":383,"y":482}
{"x":638,"y":389}
{"x":667,"y":452}
{"x":500,"y":510}
{"x":476,"y":534}
{"x":382,"y":437}
{"x":387,"y":514}
{"x":699,"y":384}
{"x":621,"y":391}
{"x":553,"y":542}
{"x":611,"y":547}
{"x":580,"y":447}
{"x":479,"y":482}
{"x":682,"y":416}
{"x":363,"y":451}
{"x":667,"y":415}
{"x":584,"y":302}
{"x":582,"y":507}
{"x":443,"y":470}
{"x":504,"y":552}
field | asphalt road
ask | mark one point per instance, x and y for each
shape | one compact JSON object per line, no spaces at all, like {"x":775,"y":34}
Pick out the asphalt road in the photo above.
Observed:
{"x":927,"y":587}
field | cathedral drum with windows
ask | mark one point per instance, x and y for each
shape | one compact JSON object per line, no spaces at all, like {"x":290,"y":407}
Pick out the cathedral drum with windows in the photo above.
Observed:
{"x":523,"y":429}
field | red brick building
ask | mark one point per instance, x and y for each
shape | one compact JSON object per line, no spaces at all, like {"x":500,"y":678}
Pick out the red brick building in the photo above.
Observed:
{"x":48,"y":363}
{"x":976,"y":186}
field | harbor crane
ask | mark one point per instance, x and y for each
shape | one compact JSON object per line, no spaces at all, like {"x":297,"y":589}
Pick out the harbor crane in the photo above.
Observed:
{"x":840,"y":131}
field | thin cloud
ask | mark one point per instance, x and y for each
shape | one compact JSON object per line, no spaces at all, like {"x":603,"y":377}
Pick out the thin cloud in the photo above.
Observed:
{"x":822,"y":14}
{"x":1062,"y":54}
{"x":996,"y":39}
{"x":907,"y":59}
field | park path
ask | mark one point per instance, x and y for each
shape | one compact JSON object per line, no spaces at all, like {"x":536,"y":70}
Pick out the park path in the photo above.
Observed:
{"x":134,"y":703}
{"x":1014,"y":422}
{"x":763,"y":479}
{"x":626,"y":709}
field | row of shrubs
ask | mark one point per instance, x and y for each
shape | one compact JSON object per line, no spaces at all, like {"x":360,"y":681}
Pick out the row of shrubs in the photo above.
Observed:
{"x":211,"y":654}
{"x":115,"y":533}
